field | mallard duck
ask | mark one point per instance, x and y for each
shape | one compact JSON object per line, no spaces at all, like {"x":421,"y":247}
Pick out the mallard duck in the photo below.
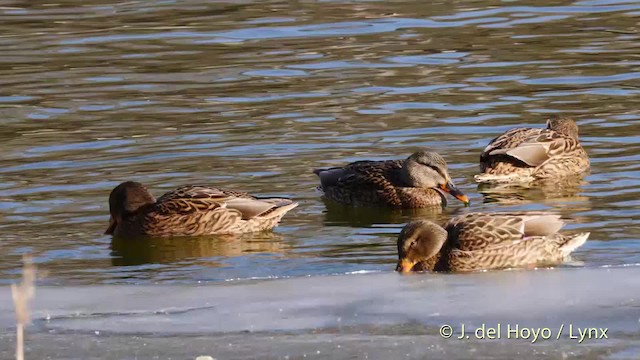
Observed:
{"x":419,"y":181}
{"x":190,"y":211}
{"x":482,"y":241}
{"x":526,"y":154}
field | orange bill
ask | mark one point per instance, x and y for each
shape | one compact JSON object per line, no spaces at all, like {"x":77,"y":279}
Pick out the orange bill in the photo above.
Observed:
{"x":453,"y":190}
{"x":405,"y":266}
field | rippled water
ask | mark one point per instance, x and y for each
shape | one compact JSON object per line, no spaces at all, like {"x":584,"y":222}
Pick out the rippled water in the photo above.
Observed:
{"x":254,"y":95}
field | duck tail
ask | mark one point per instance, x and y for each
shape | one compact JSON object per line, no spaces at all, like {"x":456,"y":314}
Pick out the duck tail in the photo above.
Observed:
{"x":573,"y":242}
{"x":283,"y":206}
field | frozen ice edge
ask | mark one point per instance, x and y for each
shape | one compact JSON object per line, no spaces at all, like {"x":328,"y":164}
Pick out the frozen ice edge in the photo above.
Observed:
{"x":589,"y":297}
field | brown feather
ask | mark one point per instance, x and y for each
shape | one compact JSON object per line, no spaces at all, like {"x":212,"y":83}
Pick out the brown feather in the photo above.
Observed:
{"x":527,"y":153}
{"x":478,"y":241}
{"x":410,"y":183}
{"x":202,"y":210}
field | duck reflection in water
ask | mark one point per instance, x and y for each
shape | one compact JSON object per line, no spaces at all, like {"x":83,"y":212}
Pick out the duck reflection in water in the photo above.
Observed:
{"x":564,"y":189}
{"x":343,"y":215}
{"x":200,"y":249}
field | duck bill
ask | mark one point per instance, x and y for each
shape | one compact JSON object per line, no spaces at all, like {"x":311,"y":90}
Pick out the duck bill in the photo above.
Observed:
{"x":450,"y":188}
{"x":405,"y":266}
{"x":112,"y":226}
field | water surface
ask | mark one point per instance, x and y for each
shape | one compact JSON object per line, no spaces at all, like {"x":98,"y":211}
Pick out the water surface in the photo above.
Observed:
{"x":254,"y":95}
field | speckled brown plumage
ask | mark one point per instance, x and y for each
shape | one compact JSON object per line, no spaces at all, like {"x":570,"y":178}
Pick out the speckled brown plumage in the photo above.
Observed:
{"x":191,"y":211}
{"x":478,"y":241}
{"x":525,"y":154}
{"x":417,"y":182}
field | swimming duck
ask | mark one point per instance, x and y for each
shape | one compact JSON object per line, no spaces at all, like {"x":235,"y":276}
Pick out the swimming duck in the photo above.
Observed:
{"x":190,"y":211}
{"x":526,"y":154}
{"x":482,"y":241}
{"x":417,"y":182}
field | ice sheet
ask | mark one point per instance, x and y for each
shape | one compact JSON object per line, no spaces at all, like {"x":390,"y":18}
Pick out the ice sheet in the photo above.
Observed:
{"x":360,"y":307}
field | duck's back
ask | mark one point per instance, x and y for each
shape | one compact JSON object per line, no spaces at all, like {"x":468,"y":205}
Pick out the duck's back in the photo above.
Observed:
{"x":510,"y":139}
{"x":376,"y":174}
{"x":363,"y":183}
{"x":533,"y":153}
{"x":504,"y":240}
{"x":191,"y":210}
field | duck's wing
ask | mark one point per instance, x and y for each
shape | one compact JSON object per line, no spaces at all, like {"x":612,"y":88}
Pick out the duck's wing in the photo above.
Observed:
{"x":191,"y":200}
{"x":484,"y":231}
{"x":362,"y":174}
{"x":531,"y":146}
{"x":510,"y":139}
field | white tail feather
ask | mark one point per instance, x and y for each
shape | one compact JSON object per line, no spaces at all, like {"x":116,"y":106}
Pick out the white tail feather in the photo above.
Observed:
{"x":573,"y":243}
